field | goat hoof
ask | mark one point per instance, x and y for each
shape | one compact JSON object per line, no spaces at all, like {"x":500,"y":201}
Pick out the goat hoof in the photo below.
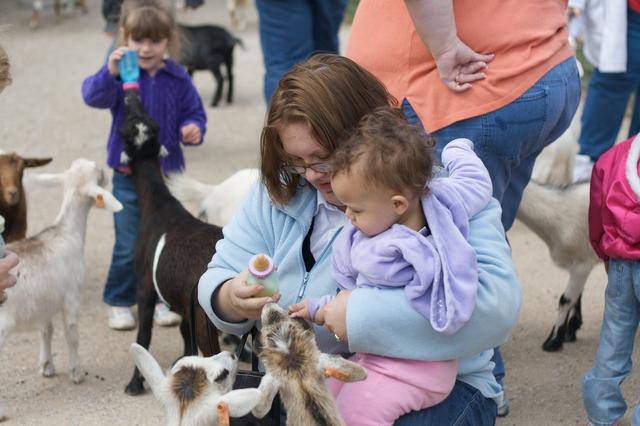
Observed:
{"x":134,"y":388}
{"x":552,"y":344}
{"x":77,"y":376}
{"x":47,"y":369}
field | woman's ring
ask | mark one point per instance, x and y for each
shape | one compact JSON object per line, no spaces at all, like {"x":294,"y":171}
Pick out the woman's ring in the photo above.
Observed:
{"x":337,"y":337}
{"x":457,"y":79}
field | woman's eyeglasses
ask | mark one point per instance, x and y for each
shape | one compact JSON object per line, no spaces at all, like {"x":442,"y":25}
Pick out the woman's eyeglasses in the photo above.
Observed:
{"x":302,"y":169}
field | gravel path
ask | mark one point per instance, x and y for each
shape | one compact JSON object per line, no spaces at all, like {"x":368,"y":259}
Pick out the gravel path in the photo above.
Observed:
{"x":42,"y":114}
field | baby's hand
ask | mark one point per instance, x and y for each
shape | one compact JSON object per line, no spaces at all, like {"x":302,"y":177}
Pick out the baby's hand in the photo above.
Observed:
{"x":190,"y":134}
{"x":114,"y":58}
{"x":300,"y":310}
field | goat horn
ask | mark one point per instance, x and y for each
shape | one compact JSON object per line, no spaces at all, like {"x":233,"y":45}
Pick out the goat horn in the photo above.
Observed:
{"x":223,"y":413}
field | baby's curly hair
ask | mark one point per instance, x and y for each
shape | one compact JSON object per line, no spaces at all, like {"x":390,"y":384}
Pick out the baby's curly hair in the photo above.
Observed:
{"x":388,"y":152}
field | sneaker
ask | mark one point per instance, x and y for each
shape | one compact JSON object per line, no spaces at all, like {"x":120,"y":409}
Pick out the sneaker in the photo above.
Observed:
{"x":503,"y":405}
{"x":121,"y":318}
{"x":164,"y":317}
{"x":582,"y":167}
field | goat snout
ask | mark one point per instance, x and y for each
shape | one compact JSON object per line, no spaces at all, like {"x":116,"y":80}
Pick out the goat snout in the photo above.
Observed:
{"x":11,"y":196}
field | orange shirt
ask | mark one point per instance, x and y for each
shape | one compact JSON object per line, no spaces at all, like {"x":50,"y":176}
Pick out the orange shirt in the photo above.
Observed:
{"x":529,"y":37}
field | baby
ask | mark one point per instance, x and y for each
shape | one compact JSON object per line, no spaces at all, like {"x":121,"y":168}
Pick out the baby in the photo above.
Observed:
{"x":407,"y":230}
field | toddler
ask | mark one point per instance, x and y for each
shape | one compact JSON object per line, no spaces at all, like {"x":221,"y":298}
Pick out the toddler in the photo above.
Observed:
{"x":169,"y":96}
{"x":614,"y":231}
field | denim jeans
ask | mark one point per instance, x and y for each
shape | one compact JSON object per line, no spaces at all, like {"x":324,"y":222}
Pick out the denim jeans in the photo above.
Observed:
{"x":464,"y":406}
{"x":292,"y":30}
{"x":509,"y":139}
{"x":607,"y":98}
{"x":601,"y":391}
{"x":120,"y":289}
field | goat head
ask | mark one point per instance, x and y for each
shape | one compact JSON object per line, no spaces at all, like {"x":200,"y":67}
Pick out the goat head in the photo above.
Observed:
{"x":196,"y":389}
{"x":12,"y":167}
{"x":139,"y":131}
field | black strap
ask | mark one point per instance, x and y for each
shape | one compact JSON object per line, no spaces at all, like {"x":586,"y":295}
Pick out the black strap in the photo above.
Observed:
{"x":307,"y":256}
{"x":192,"y":320}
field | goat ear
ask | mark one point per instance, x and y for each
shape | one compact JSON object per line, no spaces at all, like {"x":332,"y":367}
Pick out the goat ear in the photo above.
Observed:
{"x":104,"y":199}
{"x":342,"y":369}
{"x":48,"y":179}
{"x":36,"y":162}
{"x":241,"y":401}
{"x":149,"y":368}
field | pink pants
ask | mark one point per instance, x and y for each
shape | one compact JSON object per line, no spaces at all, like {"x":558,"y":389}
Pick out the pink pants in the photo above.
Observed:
{"x":393,"y":387}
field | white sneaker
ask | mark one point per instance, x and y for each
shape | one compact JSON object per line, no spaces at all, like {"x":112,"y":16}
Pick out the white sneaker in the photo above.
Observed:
{"x":164,"y":317}
{"x":582,"y":167}
{"x":121,"y":318}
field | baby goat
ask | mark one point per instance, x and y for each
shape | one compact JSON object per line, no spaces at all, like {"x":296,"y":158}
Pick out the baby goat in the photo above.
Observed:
{"x":219,"y":202}
{"x":208,"y":47}
{"x":558,"y":213}
{"x":51,"y":270}
{"x":13,"y":202}
{"x":196,"y":389}
{"x":296,"y":367}
{"x":173,"y":247}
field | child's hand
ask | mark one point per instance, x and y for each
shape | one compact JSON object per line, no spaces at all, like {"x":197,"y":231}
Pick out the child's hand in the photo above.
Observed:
{"x":300,"y":310}
{"x":190,"y":134}
{"x":114,"y":58}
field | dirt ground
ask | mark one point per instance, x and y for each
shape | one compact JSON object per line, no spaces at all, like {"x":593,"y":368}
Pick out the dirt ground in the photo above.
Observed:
{"x":42,"y":114}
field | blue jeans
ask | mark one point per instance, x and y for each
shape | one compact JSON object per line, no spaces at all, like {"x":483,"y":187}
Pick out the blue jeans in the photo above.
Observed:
{"x":607,"y":98}
{"x":509,"y":139}
{"x":120,"y":289}
{"x":601,"y":385}
{"x":292,"y":30}
{"x":464,"y":406}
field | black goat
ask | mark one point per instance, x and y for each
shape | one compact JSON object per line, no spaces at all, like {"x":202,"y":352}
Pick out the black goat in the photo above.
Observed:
{"x":173,"y":247}
{"x":208,"y":47}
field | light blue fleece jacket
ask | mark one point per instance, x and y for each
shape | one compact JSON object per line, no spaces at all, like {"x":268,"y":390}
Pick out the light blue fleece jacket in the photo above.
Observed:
{"x":379,"y":321}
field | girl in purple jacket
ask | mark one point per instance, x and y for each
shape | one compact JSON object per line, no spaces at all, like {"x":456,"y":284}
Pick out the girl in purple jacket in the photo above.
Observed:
{"x":407,"y":230}
{"x":169,"y":96}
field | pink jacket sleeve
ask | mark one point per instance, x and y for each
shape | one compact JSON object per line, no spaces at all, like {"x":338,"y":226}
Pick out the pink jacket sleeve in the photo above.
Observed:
{"x":596,"y":230}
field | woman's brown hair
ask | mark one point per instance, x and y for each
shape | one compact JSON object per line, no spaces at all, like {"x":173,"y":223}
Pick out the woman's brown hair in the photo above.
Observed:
{"x":330,"y":94}
{"x":152,"y":19}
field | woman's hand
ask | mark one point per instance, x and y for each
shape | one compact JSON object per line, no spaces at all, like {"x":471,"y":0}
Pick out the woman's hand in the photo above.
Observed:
{"x":6,"y":279}
{"x":236,"y":300}
{"x":459,"y":66}
{"x":190,"y":134}
{"x":335,"y":315}
{"x":114,"y":58}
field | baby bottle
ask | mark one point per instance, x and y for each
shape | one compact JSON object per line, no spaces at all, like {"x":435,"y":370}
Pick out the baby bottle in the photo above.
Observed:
{"x":129,"y":69}
{"x":262,"y":271}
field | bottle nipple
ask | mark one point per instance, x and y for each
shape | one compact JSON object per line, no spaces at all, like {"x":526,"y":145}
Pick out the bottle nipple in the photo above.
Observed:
{"x":261,"y":263}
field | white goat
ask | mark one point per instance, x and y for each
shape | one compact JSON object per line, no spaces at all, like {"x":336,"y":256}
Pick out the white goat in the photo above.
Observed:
{"x":217,"y":203}
{"x":558,"y":213}
{"x":51,"y":269}
{"x":197,"y":391}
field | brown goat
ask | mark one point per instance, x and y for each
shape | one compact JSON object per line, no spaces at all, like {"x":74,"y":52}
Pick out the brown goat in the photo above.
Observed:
{"x":13,"y":204}
{"x":296,"y":367}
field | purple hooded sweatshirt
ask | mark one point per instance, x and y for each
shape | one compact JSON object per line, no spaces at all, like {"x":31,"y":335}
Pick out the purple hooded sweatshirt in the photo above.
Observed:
{"x":169,"y":97}
{"x":438,"y":271}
